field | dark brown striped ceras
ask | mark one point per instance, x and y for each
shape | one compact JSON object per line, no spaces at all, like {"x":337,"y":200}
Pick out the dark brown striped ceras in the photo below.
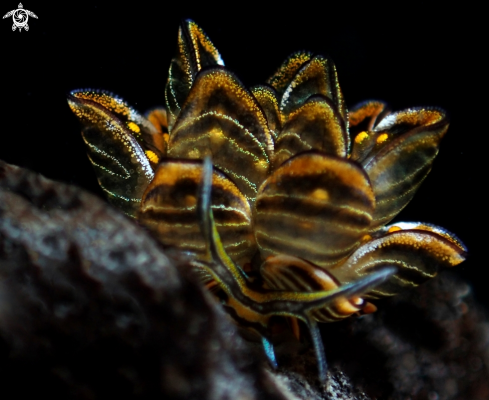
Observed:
{"x":168,"y":209}
{"x":315,"y":207}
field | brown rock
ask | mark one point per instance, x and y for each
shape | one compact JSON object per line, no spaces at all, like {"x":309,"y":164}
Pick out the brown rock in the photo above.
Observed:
{"x":90,"y":307}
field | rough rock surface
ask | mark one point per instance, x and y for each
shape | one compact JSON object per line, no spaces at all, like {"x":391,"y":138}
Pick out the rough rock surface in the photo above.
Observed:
{"x":91,"y":307}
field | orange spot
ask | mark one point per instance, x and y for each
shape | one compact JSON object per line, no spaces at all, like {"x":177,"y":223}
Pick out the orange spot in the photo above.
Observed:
{"x":262,"y":165}
{"x":394,"y":229}
{"x":194,"y":153}
{"x":320,"y":194}
{"x":190,"y":200}
{"x":382,"y":138}
{"x":361,"y":137}
{"x":133,"y":127}
{"x":152,"y":157}
{"x":369,"y":308}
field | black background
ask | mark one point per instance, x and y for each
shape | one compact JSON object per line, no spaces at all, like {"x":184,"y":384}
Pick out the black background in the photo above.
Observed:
{"x":407,"y":54}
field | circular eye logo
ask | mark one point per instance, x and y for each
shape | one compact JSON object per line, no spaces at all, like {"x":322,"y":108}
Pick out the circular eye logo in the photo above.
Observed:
{"x":20,"y":17}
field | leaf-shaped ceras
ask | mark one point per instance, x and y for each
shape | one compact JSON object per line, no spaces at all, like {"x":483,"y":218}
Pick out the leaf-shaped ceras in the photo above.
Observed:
{"x":312,"y":109}
{"x":418,"y":251}
{"x":222,"y":119}
{"x":303,"y":75}
{"x":315,"y":207}
{"x":120,"y":143}
{"x":284,"y":75}
{"x":316,"y":76}
{"x":168,"y":209}
{"x":401,"y":152}
{"x":194,"y":52}
{"x":361,"y":121}
{"x":316,"y":125}
{"x":266,"y":96}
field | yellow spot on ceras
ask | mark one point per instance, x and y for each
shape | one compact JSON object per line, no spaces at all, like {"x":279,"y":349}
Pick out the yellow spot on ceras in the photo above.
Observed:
{"x":152,"y":156}
{"x":361,"y":137}
{"x":305,"y":225}
{"x":190,"y":200}
{"x":366,"y":238}
{"x":382,"y":138}
{"x":133,"y":127}
{"x":217,"y":137}
{"x":394,"y":229}
{"x":262,"y":165}
{"x":320,"y":194}
{"x":194,"y":153}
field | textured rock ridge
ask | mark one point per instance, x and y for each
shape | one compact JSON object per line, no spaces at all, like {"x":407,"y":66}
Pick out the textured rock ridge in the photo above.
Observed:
{"x":91,"y":307}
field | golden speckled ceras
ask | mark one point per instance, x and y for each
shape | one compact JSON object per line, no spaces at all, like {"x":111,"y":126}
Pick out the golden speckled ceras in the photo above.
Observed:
{"x":300,"y":190}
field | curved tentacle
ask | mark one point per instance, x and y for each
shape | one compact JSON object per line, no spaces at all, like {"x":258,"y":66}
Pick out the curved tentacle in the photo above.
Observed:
{"x":120,"y":162}
{"x":257,"y":306}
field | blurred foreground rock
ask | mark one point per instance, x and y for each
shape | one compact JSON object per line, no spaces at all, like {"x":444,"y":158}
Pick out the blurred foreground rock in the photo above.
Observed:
{"x":91,"y":307}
